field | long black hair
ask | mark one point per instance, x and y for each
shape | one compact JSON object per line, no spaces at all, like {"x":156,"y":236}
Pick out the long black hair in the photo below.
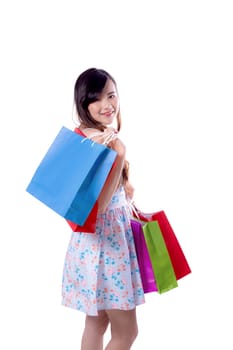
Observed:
{"x":87,"y":89}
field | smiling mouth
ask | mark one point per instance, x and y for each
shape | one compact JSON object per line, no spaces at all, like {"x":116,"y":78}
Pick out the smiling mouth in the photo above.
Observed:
{"x":108,"y":114}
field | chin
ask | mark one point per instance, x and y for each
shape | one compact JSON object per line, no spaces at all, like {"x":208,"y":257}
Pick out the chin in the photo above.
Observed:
{"x":109,"y":121}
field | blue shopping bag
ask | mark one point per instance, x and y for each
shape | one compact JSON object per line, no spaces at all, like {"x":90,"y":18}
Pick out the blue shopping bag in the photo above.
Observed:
{"x":71,"y":175}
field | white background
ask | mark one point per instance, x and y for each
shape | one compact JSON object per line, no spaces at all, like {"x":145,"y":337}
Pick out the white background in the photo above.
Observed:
{"x":173,"y":64}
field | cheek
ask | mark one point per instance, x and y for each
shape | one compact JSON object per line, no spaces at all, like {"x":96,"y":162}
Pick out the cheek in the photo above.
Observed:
{"x":92,"y":109}
{"x":117,"y":105}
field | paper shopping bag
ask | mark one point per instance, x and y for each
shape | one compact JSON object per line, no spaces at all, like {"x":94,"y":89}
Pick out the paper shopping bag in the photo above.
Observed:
{"x":179,"y":261}
{"x":90,"y":224}
{"x":162,"y":266}
{"x":71,"y":175}
{"x":144,"y":263}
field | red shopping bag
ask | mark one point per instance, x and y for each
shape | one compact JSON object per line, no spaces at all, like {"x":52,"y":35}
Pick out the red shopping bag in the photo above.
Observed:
{"x":179,"y":261}
{"x":89,"y":225}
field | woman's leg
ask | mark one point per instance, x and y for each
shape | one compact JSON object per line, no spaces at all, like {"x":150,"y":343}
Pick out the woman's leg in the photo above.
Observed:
{"x":95,"y":327}
{"x":124,"y":329}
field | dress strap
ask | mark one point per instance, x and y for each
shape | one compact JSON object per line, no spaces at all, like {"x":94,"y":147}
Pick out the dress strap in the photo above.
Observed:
{"x":78,"y":131}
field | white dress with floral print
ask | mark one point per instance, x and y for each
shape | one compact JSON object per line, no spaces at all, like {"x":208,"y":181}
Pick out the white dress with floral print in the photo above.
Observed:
{"x":101,"y":270}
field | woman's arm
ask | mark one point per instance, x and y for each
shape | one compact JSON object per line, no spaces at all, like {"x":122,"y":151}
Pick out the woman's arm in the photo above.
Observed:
{"x":129,"y":190}
{"x":114,"y":176}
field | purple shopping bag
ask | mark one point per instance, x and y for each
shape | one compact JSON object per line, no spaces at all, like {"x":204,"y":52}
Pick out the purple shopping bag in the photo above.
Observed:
{"x":145,"y":266}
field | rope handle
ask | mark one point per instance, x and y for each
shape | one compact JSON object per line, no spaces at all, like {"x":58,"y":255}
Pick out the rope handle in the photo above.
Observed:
{"x":133,"y":209}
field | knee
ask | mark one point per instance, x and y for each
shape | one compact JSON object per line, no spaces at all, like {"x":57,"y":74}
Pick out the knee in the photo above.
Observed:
{"x":124,"y":328}
{"x":97,"y":325}
{"x":102,"y":326}
{"x":126,"y":336}
{"x":132,"y":334}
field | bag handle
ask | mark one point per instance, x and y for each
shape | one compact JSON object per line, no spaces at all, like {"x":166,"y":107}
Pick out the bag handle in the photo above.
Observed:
{"x":104,"y":137}
{"x":134,"y":210}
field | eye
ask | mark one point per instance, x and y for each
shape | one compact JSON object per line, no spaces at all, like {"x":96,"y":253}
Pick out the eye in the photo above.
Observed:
{"x":112,"y":96}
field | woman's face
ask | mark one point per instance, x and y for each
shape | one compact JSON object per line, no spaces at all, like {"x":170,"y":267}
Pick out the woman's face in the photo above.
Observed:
{"x":107,"y":107}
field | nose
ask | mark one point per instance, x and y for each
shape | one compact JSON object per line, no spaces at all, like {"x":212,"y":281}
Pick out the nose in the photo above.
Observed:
{"x":107,"y":105}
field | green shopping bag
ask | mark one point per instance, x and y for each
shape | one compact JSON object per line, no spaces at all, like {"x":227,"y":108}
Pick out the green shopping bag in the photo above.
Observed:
{"x":162,"y":266}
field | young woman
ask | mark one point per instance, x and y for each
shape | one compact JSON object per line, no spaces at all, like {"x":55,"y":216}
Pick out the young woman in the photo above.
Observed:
{"x":101,"y":276}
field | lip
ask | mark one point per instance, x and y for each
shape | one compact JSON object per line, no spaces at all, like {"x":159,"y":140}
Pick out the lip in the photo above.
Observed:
{"x":108,"y":114}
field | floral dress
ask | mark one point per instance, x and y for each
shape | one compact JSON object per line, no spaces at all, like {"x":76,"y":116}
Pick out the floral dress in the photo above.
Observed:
{"x":101,"y":270}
